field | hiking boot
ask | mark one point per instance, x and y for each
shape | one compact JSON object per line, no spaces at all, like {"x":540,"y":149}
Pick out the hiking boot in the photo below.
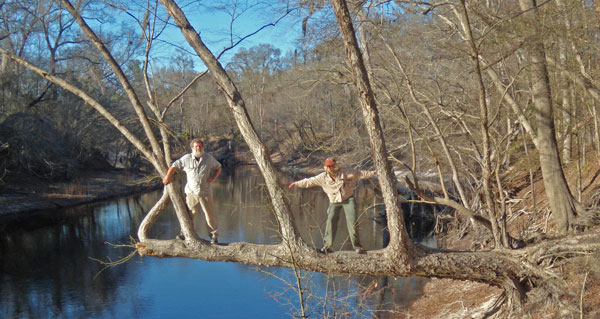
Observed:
{"x":325,"y":250}
{"x":359,"y":250}
{"x":213,"y":240}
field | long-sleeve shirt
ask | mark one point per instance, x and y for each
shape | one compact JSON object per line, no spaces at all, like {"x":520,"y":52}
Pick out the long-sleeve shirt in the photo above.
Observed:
{"x":338,"y":189}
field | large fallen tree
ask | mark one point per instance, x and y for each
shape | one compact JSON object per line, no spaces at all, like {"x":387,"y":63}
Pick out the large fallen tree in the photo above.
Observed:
{"x":516,"y":271}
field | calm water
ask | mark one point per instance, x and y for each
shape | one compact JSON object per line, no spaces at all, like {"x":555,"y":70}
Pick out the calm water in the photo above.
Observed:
{"x":47,"y":266}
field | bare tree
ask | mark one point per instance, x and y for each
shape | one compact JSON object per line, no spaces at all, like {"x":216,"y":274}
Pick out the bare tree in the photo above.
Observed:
{"x":562,"y":203}
{"x":401,"y":257}
{"x":519,"y":272}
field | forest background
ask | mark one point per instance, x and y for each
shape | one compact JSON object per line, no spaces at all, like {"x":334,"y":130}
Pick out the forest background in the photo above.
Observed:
{"x":459,"y":89}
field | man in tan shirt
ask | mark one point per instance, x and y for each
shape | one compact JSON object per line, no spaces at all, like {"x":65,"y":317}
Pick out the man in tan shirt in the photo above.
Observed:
{"x":338,"y":183}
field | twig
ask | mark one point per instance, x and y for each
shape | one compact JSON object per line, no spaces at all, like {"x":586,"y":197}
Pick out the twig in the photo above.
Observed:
{"x":110,"y":264}
{"x":182,"y":93}
{"x":272,"y":24}
{"x":582,"y":291}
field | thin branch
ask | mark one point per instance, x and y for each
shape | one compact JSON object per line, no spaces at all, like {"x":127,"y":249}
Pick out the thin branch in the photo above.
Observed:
{"x":272,"y":24}
{"x":175,"y":98}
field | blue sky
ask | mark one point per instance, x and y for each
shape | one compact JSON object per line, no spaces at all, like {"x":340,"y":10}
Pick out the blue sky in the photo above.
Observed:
{"x":214,"y":28}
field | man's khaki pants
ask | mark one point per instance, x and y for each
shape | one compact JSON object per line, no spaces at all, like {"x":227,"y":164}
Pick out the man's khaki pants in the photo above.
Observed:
{"x":332,"y":221}
{"x":194,"y":202}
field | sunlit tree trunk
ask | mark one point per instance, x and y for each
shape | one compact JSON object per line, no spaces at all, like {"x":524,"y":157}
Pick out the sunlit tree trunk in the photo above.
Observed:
{"x":399,"y":239}
{"x":240,"y":113}
{"x":565,"y":87}
{"x":157,"y":156}
{"x":562,"y":203}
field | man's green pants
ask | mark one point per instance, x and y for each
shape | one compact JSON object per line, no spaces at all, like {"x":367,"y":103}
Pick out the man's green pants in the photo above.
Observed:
{"x":333,"y":218}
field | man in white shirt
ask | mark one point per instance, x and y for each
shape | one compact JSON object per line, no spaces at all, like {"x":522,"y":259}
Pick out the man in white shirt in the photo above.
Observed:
{"x":200,"y":169}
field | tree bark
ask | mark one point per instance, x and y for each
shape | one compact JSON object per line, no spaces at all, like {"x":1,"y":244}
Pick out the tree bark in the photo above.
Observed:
{"x":565,"y":88}
{"x":399,"y":240}
{"x":508,"y":98}
{"x":562,"y":202}
{"x":152,"y":215}
{"x":516,"y":271}
{"x":240,"y":113}
{"x":498,"y":222}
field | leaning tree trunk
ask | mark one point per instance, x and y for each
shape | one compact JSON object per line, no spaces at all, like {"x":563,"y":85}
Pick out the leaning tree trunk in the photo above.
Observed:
{"x":152,"y":216}
{"x":240,"y":113}
{"x":420,"y":261}
{"x":498,"y":222}
{"x":504,"y":269}
{"x":399,"y":240}
{"x":157,"y":157}
{"x":562,"y":203}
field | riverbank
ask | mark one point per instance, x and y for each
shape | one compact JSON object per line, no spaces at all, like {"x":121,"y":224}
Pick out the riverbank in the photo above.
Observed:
{"x":446,"y":298}
{"x":21,"y":197}
{"x":442,"y":298}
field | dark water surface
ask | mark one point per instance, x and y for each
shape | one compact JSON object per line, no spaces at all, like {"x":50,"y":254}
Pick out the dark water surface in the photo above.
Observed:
{"x":47,"y":266}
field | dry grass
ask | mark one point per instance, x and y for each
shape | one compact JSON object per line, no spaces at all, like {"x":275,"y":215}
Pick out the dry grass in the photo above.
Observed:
{"x":30,"y":194}
{"x":78,"y":188}
{"x":446,"y":299}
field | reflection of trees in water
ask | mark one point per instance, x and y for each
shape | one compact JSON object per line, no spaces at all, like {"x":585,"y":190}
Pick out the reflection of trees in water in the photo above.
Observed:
{"x":46,"y":270}
{"x":244,"y":213}
{"x":333,"y":296}
{"x":346,"y":296}
{"x":309,"y":207}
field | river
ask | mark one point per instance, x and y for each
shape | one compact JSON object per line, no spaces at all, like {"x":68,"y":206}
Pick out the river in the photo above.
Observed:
{"x":49,"y":264}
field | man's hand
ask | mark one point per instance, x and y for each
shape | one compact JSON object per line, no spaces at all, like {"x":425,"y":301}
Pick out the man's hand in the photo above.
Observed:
{"x":292,"y":184}
{"x":169,"y":175}
{"x":212,"y":179}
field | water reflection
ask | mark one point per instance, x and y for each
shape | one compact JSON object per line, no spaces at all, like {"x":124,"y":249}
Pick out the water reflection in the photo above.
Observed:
{"x":46,"y":270}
